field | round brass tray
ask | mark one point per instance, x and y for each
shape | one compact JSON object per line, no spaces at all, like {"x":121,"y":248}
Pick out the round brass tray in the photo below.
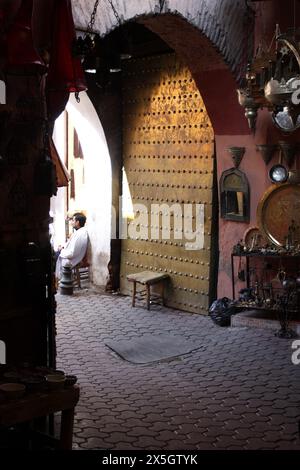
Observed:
{"x":279,"y":210}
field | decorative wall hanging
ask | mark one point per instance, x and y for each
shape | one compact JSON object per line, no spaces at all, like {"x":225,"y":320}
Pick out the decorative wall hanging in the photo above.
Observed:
{"x":237,"y":154}
{"x":278,"y":215}
{"x":288,"y":152}
{"x":294,"y":176}
{"x":234,"y":195}
{"x":267,"y":151}
{"x":278,"y":173}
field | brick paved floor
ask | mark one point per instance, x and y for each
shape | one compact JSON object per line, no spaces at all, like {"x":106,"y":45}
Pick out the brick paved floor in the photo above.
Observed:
{"x":239,"y":390}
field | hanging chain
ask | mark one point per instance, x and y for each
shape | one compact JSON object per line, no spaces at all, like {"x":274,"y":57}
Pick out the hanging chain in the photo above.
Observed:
{"x":161,"y":5}
{"x":115,"y":12}
{"x":93,"y":17}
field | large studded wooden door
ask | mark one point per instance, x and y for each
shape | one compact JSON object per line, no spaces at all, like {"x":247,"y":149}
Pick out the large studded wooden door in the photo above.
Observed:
{"x":168,"y":156}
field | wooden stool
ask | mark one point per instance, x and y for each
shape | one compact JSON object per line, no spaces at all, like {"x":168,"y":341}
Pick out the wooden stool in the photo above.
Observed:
{"x":81,"y":272}
{"x":148,"y":279}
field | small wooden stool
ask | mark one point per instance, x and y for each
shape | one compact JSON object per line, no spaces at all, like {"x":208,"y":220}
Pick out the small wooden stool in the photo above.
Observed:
{"x":148,"y":279}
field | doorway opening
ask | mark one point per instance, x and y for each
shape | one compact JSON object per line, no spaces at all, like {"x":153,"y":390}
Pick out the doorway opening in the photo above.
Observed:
{"x":81,"y":143}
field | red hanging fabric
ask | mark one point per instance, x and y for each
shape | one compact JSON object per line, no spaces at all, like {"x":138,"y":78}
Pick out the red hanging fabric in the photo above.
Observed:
{"x":21,"y":57}
{"x":65,"y":71}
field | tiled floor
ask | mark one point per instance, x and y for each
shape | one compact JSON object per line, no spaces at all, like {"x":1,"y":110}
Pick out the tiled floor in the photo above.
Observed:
{"x":239,"y":390}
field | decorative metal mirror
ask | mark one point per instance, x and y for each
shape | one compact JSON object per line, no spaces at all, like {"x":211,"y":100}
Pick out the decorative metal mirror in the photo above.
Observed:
{"x":234,"y":195}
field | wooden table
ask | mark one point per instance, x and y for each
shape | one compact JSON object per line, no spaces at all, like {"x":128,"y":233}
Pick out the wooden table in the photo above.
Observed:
{"x":41,"y":404}
{"x":148,"y":279}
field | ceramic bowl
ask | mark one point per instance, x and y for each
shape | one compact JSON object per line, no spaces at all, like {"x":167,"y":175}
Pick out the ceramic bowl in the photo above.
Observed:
{"x":13,"y":390}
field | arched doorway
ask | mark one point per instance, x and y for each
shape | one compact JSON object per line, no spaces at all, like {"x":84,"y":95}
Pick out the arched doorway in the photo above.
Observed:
{"x":91,"y":181}
{"x":214,"y":83}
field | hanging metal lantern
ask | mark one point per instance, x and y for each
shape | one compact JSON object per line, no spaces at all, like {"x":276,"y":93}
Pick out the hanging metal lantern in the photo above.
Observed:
{"x":272,"y":81}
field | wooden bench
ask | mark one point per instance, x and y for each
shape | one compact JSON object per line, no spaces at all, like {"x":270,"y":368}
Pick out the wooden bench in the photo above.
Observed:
{"x":148,"y":279}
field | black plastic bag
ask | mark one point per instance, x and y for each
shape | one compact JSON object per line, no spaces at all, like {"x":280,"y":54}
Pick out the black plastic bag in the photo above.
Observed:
{"x":221,"y":310}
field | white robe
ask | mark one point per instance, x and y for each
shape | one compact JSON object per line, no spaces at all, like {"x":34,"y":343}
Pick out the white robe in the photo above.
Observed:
{"x":73,"y":252}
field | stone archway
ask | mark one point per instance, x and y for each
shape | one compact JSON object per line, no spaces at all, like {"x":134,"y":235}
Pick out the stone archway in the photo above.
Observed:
{"x":222,"y":22}
{"x":213,"y":38}
{"x":95,"y":197}
{"x":208,"y":38}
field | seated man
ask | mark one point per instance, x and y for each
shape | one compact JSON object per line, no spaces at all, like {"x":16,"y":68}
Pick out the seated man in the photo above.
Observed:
{"x":75,"y":248}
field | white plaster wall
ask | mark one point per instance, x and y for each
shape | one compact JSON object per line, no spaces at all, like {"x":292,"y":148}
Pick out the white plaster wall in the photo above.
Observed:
{"x":98,"y":183}
{"x":97,"y":188}
{"x":58,"y":202}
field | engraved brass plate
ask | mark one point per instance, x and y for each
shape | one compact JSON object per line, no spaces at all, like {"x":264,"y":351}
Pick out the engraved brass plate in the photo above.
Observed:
{"x":279,"y":210}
